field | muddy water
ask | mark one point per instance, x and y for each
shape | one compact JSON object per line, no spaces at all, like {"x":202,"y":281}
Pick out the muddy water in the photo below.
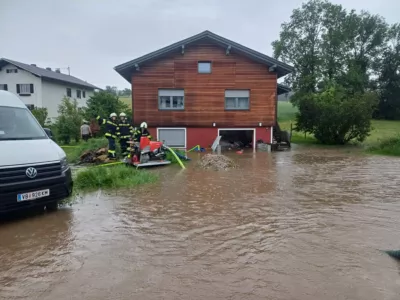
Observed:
{"x":305,"y":224}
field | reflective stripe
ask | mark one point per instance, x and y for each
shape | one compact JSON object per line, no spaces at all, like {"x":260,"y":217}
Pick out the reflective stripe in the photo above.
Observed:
{"x":98,"y":117}
{"x":111,"y":151}
{"x":110,"y":135}
{"x":111,"y":123}
{"x":104,"y":121}
{"x":125,"y":137}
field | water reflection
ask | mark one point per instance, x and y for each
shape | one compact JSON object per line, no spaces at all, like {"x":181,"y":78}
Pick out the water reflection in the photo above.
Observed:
{"x":302,"y":224}
{"x":33,"y":252}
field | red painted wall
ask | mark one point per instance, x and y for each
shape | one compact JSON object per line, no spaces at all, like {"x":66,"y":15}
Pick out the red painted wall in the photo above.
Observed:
{"x":200,"y":136}
{"x":263,"y":134}
{"x":194,"y":136}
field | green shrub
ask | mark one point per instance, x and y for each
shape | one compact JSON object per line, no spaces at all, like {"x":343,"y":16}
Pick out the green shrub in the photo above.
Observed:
{"x":40,"y":115}
{"x":335,"y":116}
{"x":388,"y":146}
{"x":112,"y":177}
{"x":69,"y":121}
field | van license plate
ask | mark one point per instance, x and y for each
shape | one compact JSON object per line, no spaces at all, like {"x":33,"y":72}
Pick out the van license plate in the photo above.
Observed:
{"x":33,"y":195}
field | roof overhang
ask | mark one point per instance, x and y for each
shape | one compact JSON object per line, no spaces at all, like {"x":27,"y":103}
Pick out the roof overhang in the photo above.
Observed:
{"x":283,"y":89}
{"x":127,"y":69}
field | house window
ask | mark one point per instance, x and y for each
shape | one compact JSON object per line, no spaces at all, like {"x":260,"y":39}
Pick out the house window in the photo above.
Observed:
{"x":173,"y":137}
{"x":204,"y":67}
{"x":78,"y":94}
{"x":237,"y":99}
{"x":69,"y":92}
{"x":30,"y":106}
{"x":25,"y":89}
{"x":12,"y":71}
{"x":171,"y":99}
{"x":3,"y":87}
{"x":83,"y":94}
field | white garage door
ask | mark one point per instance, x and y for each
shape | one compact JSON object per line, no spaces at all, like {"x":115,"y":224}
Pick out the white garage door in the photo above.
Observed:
{"x":173,"y":137}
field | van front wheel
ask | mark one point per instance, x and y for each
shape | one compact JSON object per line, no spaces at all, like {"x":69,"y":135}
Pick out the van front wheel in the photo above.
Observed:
{"x":53,"y":206}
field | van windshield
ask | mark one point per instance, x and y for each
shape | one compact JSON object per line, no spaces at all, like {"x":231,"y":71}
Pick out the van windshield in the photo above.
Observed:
{"x":19,"y":124}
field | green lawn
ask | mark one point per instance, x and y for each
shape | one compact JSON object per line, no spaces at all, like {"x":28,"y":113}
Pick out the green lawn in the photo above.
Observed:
{"x":382,"y":129}
{"x":127,"y":100}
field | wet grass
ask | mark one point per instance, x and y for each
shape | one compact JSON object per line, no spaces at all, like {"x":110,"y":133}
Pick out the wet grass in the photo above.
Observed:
{"x":387,"y":146}
{"x":382,"y":138}
{"x":127,"y":100}
{"x":111,"y":177}
{"x":74,"y":151}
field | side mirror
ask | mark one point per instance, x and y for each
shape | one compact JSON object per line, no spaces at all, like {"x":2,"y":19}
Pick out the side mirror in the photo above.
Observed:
{"x":49,"y":133}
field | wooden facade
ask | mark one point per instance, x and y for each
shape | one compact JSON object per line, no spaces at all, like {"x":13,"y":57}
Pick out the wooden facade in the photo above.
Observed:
{"x":204,"y":94}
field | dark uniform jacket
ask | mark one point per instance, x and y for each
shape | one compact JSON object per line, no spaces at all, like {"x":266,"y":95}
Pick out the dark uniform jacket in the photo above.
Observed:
{"x":112,"y":128}
{"x":138,"y":133}
{"x":125,"y":130}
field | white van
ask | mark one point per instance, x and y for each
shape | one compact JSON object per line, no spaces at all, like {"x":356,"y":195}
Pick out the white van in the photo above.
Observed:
{"x":33,"y":169}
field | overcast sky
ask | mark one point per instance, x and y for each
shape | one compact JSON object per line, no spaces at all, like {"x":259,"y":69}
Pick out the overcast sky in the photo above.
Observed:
{"x":93,"y":36}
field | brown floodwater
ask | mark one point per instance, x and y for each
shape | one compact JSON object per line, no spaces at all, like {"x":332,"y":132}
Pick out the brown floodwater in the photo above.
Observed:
{"x":303,"y":224}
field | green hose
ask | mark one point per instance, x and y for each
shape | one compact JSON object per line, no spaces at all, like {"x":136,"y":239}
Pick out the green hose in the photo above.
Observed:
{"x":176,"y":156}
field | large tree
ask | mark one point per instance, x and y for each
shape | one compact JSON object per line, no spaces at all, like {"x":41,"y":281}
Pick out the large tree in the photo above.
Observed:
{"x":389,"y":77}
{"x":335,"y":54}
{"x":300,"y":44}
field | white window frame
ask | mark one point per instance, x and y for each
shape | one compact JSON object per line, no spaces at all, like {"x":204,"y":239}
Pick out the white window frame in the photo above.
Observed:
{"x":10,"y":71}
{"x":22,"y":91}
{"x":2,"y":86}
{"x":239,"y":93}
{"x":79,"y":96}
{"x":70,"y":90}
{"x":204,"y":62}
{"x":181,"y":128}
{"x":170,"y":93}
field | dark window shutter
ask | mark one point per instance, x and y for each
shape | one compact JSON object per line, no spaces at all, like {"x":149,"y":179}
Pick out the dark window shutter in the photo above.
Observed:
{"x":31,"y":88}
{"x":18,"y":89}
{"x":5,"y":87}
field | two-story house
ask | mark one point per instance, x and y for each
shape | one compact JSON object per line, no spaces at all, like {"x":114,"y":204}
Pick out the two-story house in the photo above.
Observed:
{"x":195,"y":90}
{"x":42,"y":87}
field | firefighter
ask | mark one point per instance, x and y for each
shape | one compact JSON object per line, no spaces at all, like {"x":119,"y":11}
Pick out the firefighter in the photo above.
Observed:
{"x":111,"y":132}
{"x":142,"y":131}
{"x":124,"y":133}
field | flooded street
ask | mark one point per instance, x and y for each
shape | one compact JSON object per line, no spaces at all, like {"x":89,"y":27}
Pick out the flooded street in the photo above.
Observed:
{"x":304,"y":224}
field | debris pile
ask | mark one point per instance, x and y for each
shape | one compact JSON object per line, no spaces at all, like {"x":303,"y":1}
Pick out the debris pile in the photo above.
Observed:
{"x":94,"y":156}
{"x":216,"y":162}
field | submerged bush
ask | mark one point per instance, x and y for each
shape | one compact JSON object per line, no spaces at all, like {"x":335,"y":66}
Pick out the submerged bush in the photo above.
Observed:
{"x":111,"y":177}
{"x":389,"y":146}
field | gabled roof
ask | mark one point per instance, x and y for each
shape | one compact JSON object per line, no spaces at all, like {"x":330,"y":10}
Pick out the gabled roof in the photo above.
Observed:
{"x":47,"y":74}
{"x":282,"y":69}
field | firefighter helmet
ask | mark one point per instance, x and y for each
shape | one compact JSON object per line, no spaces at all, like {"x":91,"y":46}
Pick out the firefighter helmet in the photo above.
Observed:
{"x":122,"y":114}
{"x":113,"y":115}
{"x":143,"y":125}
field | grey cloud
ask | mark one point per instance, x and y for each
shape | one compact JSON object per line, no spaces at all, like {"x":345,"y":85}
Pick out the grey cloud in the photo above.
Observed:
{"x":93,"y":36}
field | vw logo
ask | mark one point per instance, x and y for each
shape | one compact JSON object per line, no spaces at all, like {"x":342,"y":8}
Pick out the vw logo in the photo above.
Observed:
{"x":31,"y":172}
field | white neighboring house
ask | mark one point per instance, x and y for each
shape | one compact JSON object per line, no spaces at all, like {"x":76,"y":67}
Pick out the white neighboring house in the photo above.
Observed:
{"x":42,"y":87}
